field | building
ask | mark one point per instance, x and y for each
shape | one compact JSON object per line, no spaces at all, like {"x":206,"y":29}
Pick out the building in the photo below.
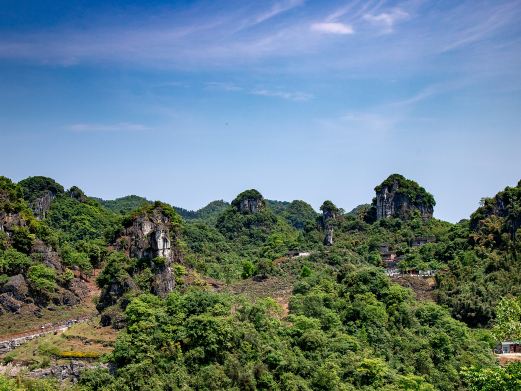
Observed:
{"x":420,"y":241}
{"x":510,"y":347}
{"x":295,"y":254}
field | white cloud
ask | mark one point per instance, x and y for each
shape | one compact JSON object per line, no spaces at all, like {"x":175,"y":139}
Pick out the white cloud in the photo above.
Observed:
{"x":107,"y":128}
{"x":223,"y":86}
{"x":332,"y":28}
{"x":387,"y":20}
{"x":288,"y":95}
{"x":295,"y":96}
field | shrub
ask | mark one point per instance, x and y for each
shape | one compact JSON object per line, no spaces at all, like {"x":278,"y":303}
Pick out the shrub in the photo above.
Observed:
{"x":42,"y":278}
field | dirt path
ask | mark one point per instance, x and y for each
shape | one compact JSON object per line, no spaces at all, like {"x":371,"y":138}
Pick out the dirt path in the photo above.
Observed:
{"x":44,"y":329}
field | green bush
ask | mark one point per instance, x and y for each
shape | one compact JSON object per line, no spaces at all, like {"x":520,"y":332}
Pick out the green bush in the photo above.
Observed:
{"x":42,"y":278}
{"x":14,"y":262}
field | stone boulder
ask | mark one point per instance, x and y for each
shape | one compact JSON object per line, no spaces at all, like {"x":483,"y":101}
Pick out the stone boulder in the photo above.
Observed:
{"x":17,"y":287}
{"x":9,"y":303}
{"x":113,"y":292}
{"x":79,"y":288}
{"x":69,"y":371}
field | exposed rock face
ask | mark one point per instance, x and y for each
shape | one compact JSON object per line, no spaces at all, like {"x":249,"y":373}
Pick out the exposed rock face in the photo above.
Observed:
{"x":41,"y":205}
{"x":328,"y":239}
{"x":39,"y":192}
{"x":16,"y":286}
{"x":18,"y":293}
{"x":113,"y":292}
{"x":400,"y":197}
{"x":8,"y":221}
{"x":250,"y":205}
{"x":150,"y":237}
{"x":505,"y":205}
{"x":9,"y":304}
{"x":78,"y":194}
{"x":69,"y":371}
{"x":249,"y":202}
{"x":329,"y":215}
{"x":79,"y":288}
{"x":47,"y":255}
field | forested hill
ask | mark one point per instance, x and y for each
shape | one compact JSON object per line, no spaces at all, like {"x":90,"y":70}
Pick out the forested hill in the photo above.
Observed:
{"x":261,"y":294}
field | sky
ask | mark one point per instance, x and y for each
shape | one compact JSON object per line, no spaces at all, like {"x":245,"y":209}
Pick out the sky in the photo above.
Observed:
{"x":192,"y":101}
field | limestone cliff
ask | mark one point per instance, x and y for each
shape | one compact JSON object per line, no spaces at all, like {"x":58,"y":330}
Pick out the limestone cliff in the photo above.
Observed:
{"x":329,"y":215}
{"x":249,"y":202}
{"x":151,"y":235}
{"x":401,"y":198}
{"x":39,"y":192}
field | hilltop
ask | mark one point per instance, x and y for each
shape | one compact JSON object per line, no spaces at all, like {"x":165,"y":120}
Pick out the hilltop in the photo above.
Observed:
{"x":264,"y":294}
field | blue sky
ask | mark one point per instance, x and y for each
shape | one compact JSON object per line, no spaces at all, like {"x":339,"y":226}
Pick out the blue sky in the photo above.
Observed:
{"x":188,"y":102}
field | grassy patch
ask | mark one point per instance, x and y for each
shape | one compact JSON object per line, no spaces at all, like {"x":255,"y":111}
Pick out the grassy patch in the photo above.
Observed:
{"x":83,"y":340}
{"x":18,"y":323}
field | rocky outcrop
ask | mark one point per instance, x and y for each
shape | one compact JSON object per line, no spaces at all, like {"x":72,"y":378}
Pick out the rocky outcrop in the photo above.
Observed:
{"x":9,"y":304}
{"x":21,"y":239}
{"x":505,"y":205}
{"x":111,"y":294}
{"x":329,"y":214}
{"x":69,"y":371}
{"x":328,"y":239}
{"x":79,"y":288}
{"x":151,"y":236}
{"x":78,"y":194}
{"x":8,"y":221}
{"x":39,"y":192}
{"x":42,"y":204}
{"x":249,"y":202}
{"x":250,"y":205}
{"x":47,"y":255}
{"x":401,"y":198}
{"x":16,"y":287}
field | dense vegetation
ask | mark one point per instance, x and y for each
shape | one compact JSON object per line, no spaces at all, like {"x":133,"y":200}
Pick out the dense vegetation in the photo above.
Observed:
{"x":347,"y":326}
{"x":24,"y":241}
{"x":483,"y":258}
{"x":125,"y":204}
{"x":356,"y":331}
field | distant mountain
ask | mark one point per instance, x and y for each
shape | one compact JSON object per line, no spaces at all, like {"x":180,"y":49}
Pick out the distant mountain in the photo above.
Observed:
{"x":208,"y":213}
{"x":124,"y":204}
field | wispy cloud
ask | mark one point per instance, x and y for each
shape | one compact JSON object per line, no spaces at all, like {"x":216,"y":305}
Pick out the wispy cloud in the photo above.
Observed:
{"x":123,"y":127}
{"x":477,"y":25}
{"x":223,"y":86}
{"x":332,"y":28}
{"x":278,"y":8}
{"x":387,"y":20}
{"x":208,"y":37}
{"x":268,"y":92}
{"x":294,"y":96}
{"x":388,"y":117}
